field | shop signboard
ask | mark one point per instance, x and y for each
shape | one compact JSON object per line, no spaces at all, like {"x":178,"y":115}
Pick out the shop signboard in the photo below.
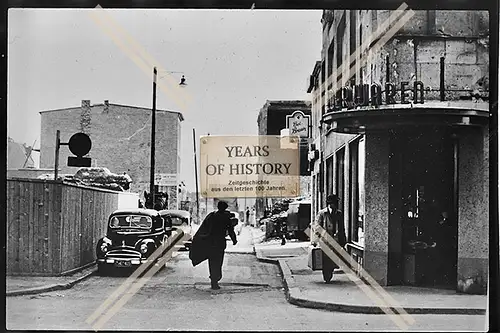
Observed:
{"x":363,"y":95}
{"x":298,"y":123}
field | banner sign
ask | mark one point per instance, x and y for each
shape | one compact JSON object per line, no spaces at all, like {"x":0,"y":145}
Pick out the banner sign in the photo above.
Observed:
{"x":249,"y":166}
{"x":298,"y":123}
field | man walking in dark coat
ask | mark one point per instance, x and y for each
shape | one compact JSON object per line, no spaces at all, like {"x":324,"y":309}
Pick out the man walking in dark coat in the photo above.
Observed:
{"x":209,"y":242}
{"x":332,"y":220}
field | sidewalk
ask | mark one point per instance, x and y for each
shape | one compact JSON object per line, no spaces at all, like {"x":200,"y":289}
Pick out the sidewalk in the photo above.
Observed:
{"x":306,"y":288}
{"x":245,"y":237}
{"x":28,"y":285}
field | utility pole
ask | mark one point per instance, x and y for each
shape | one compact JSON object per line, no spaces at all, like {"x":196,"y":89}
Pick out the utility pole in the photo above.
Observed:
{"x":58,"y":141}
{"x":153,"y":132}
{"x":206,"y":198}
{"x":196,"y":177}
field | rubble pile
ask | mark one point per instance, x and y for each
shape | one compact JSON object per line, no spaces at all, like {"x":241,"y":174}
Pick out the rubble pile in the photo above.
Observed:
{"x":95,"y":177}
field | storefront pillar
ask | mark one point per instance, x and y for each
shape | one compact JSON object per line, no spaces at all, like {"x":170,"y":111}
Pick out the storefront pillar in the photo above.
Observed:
{"x":473,"y":210}
{"x":377,"y":206}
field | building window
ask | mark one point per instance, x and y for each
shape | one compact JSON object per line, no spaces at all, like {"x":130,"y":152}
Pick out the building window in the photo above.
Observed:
{"x":340,"y":42}
{"x":374,"y":21}
{"x":331,"y":51}
{"x":323,"y":72}
{"x":357,"y":190}
{"x":329,"y":175}
{"x":360,"y":52}
{"x":339,"y":177}
{"x":352,"y":31}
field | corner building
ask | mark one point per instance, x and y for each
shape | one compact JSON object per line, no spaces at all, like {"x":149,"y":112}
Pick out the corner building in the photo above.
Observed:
{"x":402,"y":138}
{"x":121,"y":142}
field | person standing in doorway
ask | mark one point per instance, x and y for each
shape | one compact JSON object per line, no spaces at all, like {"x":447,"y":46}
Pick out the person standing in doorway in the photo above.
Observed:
{"x":247,"y":214}
{"x":331,"y":219}
{"x":209,"y":242}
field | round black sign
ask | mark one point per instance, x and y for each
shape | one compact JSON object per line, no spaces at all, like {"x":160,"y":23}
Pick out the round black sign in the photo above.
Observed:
{"x":80,"y":144}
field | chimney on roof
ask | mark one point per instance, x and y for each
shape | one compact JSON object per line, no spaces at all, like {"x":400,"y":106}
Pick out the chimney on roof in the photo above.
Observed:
{"x":85,"y":116}
{"x":106,"y":105}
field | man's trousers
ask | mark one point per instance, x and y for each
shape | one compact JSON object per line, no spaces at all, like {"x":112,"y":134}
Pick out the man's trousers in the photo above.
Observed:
{"x":215,"y":264}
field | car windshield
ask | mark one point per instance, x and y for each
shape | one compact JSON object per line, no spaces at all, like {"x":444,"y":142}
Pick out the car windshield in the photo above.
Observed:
{"x":176,"y":220}
{"x":130,"y":221}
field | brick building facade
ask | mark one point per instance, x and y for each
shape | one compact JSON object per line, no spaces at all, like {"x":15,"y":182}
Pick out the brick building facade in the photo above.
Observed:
{"x":121,"y":137}
{"x":411,"y":171}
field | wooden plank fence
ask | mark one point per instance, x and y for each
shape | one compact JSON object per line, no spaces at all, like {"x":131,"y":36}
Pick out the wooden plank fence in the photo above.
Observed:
{"x":52,"y":227}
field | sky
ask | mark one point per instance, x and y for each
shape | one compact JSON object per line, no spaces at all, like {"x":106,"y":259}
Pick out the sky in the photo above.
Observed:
{"x":233,"y":62}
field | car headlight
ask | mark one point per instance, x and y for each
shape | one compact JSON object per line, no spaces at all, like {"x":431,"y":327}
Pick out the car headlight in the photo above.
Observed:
{"x":144,"y":248}
{"x":104,"y":247}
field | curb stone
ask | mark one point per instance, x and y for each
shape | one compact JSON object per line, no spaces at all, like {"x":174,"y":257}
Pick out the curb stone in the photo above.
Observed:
{"x":294,"y":296}
{"x":53,"y":287}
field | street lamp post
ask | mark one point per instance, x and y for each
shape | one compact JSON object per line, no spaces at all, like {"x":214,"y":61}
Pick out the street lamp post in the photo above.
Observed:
{"x":153,"y":132}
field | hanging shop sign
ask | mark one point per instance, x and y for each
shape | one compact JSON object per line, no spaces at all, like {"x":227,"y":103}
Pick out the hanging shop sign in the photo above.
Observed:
{"x":298,"y":123}
{"x":166,"y":179}
{"x":249,"y":166}
{"x":350,"y":97}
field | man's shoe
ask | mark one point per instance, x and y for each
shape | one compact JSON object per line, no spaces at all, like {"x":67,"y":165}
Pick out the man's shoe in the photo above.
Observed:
{"x":215,"y":286}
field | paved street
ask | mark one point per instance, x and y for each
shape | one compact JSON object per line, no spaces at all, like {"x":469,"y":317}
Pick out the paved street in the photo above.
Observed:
{"x":178,"y":298}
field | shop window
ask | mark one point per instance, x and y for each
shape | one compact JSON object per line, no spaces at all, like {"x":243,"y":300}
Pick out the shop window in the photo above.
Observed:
{"x":329,"y":175}
{"x":318,"y":193}
{"x":357,"y":190}
{"x":339,"y":176}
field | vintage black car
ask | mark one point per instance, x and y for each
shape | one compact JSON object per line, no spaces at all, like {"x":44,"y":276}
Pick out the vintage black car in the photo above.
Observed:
{"x":181,"y":219}
{"x":132,"y":236}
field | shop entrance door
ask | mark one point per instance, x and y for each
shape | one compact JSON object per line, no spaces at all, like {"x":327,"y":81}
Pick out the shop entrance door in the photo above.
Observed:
{"x":428,"y":197}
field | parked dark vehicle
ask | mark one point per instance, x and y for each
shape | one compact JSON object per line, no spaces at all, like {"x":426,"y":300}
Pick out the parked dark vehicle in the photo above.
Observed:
{"x":298,"y":219}
{"x":132,"y":236}
{"x":275,"y":225}
{"x":180,"y":219}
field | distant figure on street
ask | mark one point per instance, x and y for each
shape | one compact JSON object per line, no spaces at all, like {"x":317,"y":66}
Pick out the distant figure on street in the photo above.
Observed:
{"x":332,"y":220}
{"x":248,"y":216}
{"x":209,"y":242}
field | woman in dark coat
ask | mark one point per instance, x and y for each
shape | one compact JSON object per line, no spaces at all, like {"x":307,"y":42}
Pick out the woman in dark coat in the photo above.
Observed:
{"x":209,"y":242}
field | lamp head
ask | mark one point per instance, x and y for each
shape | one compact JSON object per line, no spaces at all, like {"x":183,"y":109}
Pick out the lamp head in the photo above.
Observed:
{"x":183,"y":81}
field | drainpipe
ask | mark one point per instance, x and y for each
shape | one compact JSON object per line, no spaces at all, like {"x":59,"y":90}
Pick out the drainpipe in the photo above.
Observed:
{"x":441,"y":78}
